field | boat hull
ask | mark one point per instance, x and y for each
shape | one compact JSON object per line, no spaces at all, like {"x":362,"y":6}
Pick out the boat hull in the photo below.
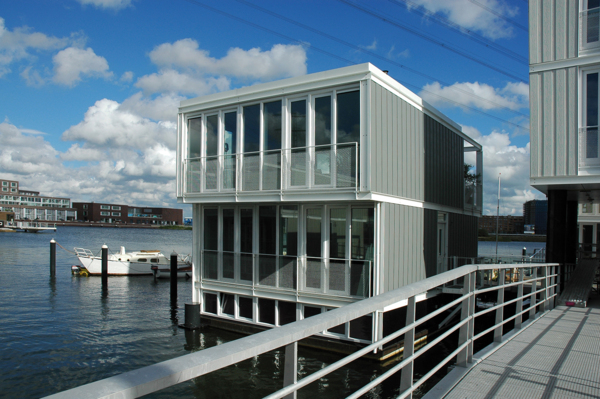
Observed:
{"x":116,"y":267}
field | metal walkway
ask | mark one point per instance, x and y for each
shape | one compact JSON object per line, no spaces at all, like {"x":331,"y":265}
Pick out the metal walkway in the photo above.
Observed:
{"x":579,"y":287}
{"x":558,"y":356}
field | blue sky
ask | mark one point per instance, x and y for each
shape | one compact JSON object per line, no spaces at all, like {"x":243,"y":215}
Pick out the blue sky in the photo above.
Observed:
{"x":90,"y":88}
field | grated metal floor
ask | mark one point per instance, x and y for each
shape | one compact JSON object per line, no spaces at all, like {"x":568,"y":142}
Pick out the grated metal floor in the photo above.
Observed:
{"x":558,"y":356}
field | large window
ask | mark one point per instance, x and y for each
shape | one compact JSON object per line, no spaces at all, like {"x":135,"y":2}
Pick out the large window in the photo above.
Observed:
{"x":194,"y":137}
{"x":589,"y":24}
{"x":589,"y":132}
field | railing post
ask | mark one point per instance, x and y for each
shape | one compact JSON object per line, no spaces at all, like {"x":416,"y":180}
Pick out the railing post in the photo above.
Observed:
{"x":554,"y":273}
{"x":290,"y":371}
{"x":406,"y":380}
{"x":465,"y":333}
{"x":519,"y":309}
{"x":500,"y":310}
{"x":544,"y":293}
{"x":533,"y":296}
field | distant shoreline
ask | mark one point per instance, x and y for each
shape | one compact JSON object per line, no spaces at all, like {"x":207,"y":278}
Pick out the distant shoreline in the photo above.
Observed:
{"x":515,"y":237}
{"x":119,"y":225}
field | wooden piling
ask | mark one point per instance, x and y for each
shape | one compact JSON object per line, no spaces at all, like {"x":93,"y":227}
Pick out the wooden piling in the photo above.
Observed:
{"x":52,"y":258}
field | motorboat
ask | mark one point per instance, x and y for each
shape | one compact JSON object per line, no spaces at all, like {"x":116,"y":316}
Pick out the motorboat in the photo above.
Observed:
{"x":135,"y":263}
{"x":165,"y":271}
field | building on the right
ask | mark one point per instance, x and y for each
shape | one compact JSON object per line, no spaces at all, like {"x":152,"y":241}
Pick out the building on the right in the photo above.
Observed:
{"x":564,"y":89}
{"x":535,"y":216}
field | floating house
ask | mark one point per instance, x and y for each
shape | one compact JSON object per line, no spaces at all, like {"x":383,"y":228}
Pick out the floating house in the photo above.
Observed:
{"x":313,"y":192}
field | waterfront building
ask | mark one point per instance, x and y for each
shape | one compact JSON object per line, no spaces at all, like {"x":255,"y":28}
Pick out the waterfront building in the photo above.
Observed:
{"x":119,"y":213}
{"x":30,"y":205}
{"x":505,"y":224}
{"x":313,"y":192}
{"x":564,"y":54}
{"x":535,"y":214}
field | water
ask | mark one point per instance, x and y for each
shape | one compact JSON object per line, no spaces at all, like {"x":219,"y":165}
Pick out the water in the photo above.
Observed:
{"x":56,"y":334}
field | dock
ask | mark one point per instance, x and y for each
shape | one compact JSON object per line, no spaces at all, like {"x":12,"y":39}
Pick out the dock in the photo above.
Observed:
{"x":558,"y":356}
{"x":31,"y":227}
{"x":578,"y":289}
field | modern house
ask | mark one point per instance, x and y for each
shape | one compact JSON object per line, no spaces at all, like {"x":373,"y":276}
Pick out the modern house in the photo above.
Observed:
{"x":564,"y":54}
{"x":120,"y":213}
{"x":313,"y":192}
{"x":30,"y":205}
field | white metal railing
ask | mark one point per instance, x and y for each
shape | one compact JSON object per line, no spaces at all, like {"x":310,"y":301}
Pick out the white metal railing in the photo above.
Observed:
{"x":326,"y":167}
{"x":300,"y":274}
{"x":589,"y":147}
{"x":538,"y":289}
{"x":589,"y":32}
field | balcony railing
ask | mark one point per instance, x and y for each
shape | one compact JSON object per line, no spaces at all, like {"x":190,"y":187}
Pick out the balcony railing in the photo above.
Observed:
{"x":298,"y":274}
{"x":588,"y":147}
{"x":327,"y":167}
{"x":472,"y":195}
{"x":589,"y":29}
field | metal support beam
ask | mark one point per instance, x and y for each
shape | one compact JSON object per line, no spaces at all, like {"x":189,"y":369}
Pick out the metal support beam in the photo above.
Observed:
{"x":406,"y":380}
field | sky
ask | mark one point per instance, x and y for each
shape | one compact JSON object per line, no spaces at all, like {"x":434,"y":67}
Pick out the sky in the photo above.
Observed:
{"x":90,"y":88}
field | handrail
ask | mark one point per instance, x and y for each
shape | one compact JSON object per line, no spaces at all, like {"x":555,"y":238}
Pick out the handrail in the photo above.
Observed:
{"x":162,"y":375}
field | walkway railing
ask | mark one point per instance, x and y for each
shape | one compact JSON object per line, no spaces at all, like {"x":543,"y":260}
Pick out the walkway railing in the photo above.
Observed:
{"x":536,"y":285}
{"x":324,"y":167}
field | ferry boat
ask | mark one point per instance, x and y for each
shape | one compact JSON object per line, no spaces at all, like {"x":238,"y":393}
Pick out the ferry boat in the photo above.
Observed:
{"x":128,"y":263}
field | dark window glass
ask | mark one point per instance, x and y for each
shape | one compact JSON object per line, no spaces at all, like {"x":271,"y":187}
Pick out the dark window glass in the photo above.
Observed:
{"x":267,"y":235}
{"x":228,"y":221}
{"x":298,"y":112}
{"x":272,"y":126}
{"x":210,"y":303}
{"x":361,"y":328}
{"x":323,"y":120}
{"x":592,"y":99}
{"x":311,"y":311}
{"x":212,"y":137}
{"x":230,"y":139}
{"x":252,"y":128}
{"x":288,"y":225}
{"x":337,"y":234}
{"x":211,"y":233}
{"x":245,"y":307}
{"x":228,"y":304}
{"x":348,"y":117}
{"x":194,"y":136}
{"x":266,"y":311}
{"x":313,"y":232}
{"x":287,"y":312}
{"x":246,"y":230}
{"x":593,"y":4}
{"x":341,"y":329}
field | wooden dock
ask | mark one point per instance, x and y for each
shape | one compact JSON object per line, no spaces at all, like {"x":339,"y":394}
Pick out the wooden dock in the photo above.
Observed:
{"x":558,"y":356}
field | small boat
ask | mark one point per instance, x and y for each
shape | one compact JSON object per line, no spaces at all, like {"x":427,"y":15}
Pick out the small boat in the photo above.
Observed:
{"x":136,"y":263}
{"x":165,"y":272}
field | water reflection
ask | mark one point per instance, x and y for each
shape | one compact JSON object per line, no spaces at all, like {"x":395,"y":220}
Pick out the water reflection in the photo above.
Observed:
{"x":194,"y":340}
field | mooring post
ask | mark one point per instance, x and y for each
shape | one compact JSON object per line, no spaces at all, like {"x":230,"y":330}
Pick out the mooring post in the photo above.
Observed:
{"x":104,"y":265}
{"x":173,"y":277}
{"x":52,"y":258}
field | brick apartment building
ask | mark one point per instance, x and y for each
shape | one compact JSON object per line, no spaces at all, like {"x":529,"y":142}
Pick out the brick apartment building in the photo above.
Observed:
{"x":506,"y":224}
{"x":119,"y":213}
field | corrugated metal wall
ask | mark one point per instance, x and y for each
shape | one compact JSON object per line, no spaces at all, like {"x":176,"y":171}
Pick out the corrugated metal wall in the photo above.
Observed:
{"x":430,"y":241}
{"x":402,"y":245}
{"x":396,"y":145}
{"x":444,"y":160}
{"x":554,"y":122}
{"x":462,"y":236}
{"x":553,"y":27}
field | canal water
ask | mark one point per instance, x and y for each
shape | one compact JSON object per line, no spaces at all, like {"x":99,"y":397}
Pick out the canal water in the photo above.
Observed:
{"x":56,"y":334}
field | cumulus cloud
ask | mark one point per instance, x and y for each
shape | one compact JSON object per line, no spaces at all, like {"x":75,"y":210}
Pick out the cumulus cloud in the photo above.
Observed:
{"x":72,"y":63}
{"x":176,"y":82}
{"x":471,"y":16}
{"x":127,"y":77}
{"x":513,"y":96}
{"x":19,"y":43}
{"x":24,"y":153}
{"x":511,"y":162}
{"x":107,"y":4}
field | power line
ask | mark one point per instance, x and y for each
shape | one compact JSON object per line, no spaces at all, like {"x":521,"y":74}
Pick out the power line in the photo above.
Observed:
{"x":229,"y":15}
{"x":490,"y":10}
{"x":465,"y":32}
{"x":373,"y":54}
{"x":432,"y":40}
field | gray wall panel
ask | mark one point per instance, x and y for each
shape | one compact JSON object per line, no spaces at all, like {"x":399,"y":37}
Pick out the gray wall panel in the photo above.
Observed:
{"x":560,"y":124}
{"x":534,"y":133}
{"x":430,"y":242}
{"x":462,"y":236}
{"x":553,"y":26}
{"x":548,"y":127}
{"x":572,"y":122}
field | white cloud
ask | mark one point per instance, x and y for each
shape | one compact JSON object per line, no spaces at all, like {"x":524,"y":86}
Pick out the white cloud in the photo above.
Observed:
{"x":163,"y":107}
{"x":500,"y":156}
{"x":471,"y":16}
{"x":171,"y":81}
{"x":28,"y":154}
{"x":513,"y":96}
{"x":127,"y":77}
{"x":72,"y":63}
{"x":107,"y":4}
{"x":16,"y":45}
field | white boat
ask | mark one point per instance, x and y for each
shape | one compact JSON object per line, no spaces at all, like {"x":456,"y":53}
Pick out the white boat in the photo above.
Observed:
{"x":127,"y":263}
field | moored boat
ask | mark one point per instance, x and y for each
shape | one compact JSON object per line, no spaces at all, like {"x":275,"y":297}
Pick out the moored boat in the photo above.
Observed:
{"x":128,"y":263}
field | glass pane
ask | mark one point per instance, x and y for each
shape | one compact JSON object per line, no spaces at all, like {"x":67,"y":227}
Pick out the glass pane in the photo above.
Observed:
{"x":337,"y":233}
{"x":298,"y":113}
{"x":313,"y":232}
{"x":210,"y":264}
{"x":246,"y":230}
{"x":288,"y":227}
{"x":591,"y":140}
{"x":313,"y":273}
{"x":348,"y":117}
{"x":228,"y":304}
{"x":228,"y":238}
{"x":287,"y":312}
{"x":267,"y":268}
{"x":194,"y":135}
{"x":252,"y":128}
{"x":323,"y":165}
{"x":211,"y":232}
{"x":210,"y":303}
{"x":323,"y":120}
{"x":271,"y":170}
{"x":311,"y":311}
{"x":246,"y":267}
{"x":229,"y":149}
{"x":251,"y":172}
{"x":337,"y":275}
{"x":272,"y":126}
{"x":592,"y":99}
{"x":287,"y":271}
{"x":361,"y":250}
{"x":245,"y":307}
{"x":267,"y":234}
{"x":212,"y":138}
{"x":266,"y":310}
